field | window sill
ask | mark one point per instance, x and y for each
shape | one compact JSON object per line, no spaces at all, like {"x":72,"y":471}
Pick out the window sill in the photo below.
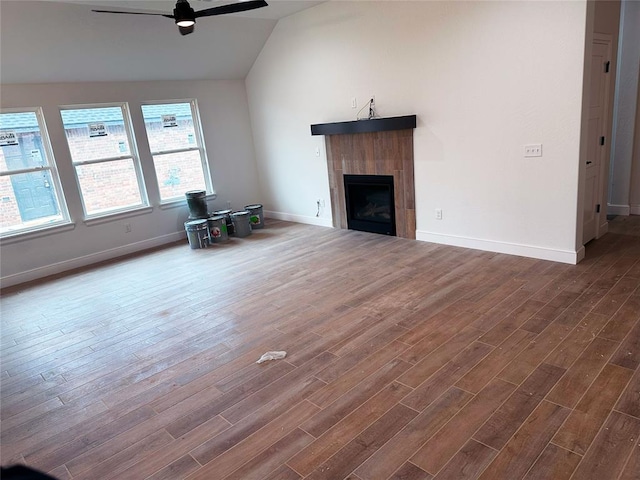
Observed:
{"x":117,"y":216}
{"x":41,"y":232}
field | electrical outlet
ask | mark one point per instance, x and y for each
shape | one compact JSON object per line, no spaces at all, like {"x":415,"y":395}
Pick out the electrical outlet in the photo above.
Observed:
{"x":372,"y":106}
{"x":228,"y":205}
{"x":321,"y":202}
{"x":127,"y":228}
{"x":438,"y":214}
{"x":533,"y":150}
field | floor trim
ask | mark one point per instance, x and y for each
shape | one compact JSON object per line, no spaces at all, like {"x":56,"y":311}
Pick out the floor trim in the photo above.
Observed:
{"x":289,"y":217}
{"x":562,"y":256}
{"x":618,"y":209}
{"x":86,"y":260}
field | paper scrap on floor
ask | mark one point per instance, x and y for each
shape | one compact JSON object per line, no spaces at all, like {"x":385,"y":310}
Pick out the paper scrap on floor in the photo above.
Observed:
{"x":272,"y":356}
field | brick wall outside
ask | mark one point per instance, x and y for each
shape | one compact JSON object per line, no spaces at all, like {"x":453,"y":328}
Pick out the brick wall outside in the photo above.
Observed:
{"x":9,"y":213}
{"x":104,"y":185}
{"x":181,"y":172}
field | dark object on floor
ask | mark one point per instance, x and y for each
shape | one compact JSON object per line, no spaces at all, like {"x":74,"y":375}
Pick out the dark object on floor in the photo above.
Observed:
{"x":197,"y":233}
{"x":241,"y":224}
{"x":197,"y":203}
{"x":22,"y":472}
{"x":227,"y":216}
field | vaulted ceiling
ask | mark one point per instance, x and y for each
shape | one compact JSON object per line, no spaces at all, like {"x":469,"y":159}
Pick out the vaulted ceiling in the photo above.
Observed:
{"x":64,"y":41}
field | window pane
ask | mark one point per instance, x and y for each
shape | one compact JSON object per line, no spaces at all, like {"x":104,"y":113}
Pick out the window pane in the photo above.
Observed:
{"x":172,"y":127}
{"x":108,"y":186}
{"x":28,"y":200}
{"x":102,"y":134}
{"x":169,"y":126}
{"x":178,"y":173}
{"x":20,"y":141}
{"x":95,"y":133}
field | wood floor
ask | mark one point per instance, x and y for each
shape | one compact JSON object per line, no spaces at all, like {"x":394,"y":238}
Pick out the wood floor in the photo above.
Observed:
{"x":406,"y":360}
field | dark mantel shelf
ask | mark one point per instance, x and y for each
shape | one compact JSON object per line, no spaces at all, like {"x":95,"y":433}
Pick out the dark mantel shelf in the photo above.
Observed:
{"x":365,"y":126}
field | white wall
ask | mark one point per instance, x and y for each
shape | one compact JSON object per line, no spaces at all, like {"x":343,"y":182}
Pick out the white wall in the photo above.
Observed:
{"x":621,"y":187}
{"x":484,"y":78}
{"x":227,"y":133}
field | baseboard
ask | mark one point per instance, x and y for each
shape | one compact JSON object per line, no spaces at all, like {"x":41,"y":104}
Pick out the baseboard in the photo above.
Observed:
{"x":634,"y":210}
{"x":618,"y":209}
{"x":86,"y":260}
{"x":562,"y":256}
{"x":289,"y":217}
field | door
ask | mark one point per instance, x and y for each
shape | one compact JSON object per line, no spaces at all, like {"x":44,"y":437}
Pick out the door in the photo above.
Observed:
{"x":593,"y":209}
{"x":33,"y":190}
{"x":34,"y":195}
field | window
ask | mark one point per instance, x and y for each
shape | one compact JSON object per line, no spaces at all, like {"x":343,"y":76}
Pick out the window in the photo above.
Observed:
{"x":104,"y":155}
{"x":175,"y":141}
{"x":30,"y":193}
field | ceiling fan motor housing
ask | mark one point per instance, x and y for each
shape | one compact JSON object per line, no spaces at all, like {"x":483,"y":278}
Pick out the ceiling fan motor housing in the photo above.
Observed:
{"x":183,"y":12}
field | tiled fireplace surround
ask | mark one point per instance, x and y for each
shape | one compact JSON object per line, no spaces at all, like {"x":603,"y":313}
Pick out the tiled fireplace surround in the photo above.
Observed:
{"x":387,"y":150}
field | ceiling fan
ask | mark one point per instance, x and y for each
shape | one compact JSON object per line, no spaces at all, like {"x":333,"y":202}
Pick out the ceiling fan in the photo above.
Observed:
{"x":185,"y":16}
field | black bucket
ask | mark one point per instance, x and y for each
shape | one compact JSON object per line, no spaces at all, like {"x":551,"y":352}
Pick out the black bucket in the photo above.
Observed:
{"x":227,"y":216}
{"x":197,"y":233}
{"x":255,"y":215}
{"x":197,"y":202}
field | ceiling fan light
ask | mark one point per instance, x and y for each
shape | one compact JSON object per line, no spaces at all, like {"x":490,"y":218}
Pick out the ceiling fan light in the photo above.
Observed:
{"x":184,"y":14}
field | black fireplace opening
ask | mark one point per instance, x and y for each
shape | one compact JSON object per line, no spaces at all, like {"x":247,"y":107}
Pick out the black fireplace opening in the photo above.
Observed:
{"x":370,"y":205}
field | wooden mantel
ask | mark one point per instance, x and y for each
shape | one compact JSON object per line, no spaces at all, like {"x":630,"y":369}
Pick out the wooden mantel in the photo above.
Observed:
{"x":364,"y":126}
{"x":380,"y":146}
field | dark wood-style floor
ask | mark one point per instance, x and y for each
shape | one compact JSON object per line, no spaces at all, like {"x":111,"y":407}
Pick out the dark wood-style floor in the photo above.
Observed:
{"x":406,"y":360}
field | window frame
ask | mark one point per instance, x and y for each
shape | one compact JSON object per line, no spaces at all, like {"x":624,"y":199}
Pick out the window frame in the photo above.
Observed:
{"x":200,"y":147}
{"x":54,"y":174}
{"x":133,"y":155}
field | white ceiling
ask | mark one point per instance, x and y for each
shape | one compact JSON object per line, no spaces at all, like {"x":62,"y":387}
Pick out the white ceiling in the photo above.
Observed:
{"x":64,"y":41}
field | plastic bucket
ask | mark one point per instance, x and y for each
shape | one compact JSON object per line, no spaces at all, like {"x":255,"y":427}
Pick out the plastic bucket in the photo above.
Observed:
{"x":227,"y":215}
{"x":217,"y":229}
{"x":256,"y":217}
{"x":241,"y":223}
{"x":197,"y":233}
{"x":197,"y":202}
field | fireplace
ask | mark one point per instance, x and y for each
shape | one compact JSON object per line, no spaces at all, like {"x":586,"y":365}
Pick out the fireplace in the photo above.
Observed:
{"x":379,"y":146}
{"x":370,"y":203}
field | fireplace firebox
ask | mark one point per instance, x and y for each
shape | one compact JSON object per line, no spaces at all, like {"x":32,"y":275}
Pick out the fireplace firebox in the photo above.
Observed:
{"x":370,"y":203}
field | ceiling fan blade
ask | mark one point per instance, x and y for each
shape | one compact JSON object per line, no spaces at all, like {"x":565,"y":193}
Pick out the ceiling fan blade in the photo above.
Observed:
{"x":133,"y":13}
{"x":231,"y":8}
{"x":186,"y":30}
